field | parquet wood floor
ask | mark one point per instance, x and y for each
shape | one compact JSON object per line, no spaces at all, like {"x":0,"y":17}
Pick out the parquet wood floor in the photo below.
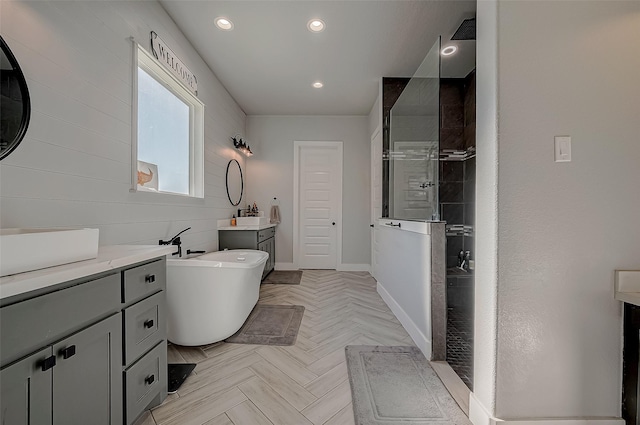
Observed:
{"x":303,"y":384}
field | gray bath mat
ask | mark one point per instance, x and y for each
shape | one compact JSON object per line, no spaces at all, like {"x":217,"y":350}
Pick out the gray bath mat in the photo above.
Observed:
{"x":270,"y":325}
{"x":396,"y":385}
{"x":289,"y":277}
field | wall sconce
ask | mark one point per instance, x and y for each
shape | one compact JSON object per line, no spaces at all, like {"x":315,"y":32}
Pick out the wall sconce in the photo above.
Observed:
{"x":239,"y":144}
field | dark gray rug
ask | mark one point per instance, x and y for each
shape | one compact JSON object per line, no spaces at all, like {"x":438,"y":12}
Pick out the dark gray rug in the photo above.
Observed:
{"x":270,"y":325}
{"x":396,"y":385}
{"x":288,"y":277}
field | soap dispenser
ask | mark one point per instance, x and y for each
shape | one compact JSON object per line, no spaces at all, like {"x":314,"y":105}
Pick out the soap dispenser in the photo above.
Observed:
{"x":234,"y":222}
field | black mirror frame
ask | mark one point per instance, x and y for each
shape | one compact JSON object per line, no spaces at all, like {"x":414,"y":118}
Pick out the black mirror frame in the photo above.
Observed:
{"x":26,"y":101}
{"x":241,"y":182}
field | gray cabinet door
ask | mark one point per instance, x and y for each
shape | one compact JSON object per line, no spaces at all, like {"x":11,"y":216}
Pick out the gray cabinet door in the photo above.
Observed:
{"x":87,"y":378}
{"x":25,"y":391}
{"x":272,"y":254}
{"x":268,"y":246}
{"x":238,"y":239}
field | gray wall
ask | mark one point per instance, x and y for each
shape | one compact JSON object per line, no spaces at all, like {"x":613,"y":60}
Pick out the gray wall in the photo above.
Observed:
{"x":550,"y":235}
{"x":73,"y":167}
{"x":270,"y":173}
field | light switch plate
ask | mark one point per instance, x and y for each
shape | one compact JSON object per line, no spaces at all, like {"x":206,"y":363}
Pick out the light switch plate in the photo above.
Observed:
{"x":563,"y":148}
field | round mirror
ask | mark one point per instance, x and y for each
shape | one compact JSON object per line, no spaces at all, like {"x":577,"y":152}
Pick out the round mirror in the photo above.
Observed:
{"x":235,"y":184}
{"x":15,"y":106}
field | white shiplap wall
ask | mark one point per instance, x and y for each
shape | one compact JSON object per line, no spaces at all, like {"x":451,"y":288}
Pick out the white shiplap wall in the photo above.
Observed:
{"x":73,"y":167}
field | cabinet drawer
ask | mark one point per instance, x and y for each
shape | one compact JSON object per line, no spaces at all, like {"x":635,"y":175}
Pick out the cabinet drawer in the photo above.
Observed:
{"x":266,"y":233}
{"x":31,"y":324}
{"x":144,"y":381}
{"x":143,"y":326}
{"x":144,"y":280}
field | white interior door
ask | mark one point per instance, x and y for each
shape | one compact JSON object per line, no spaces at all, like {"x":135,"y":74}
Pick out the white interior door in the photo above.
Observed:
{"x":319,"y":198}
{"x":376,"y":195}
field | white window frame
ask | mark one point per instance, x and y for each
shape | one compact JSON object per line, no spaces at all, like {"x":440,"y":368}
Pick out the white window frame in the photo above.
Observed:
{"x":143,"y":59}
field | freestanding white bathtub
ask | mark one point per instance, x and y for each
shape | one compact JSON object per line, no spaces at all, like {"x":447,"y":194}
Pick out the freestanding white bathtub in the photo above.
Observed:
{"x":209,"y":297}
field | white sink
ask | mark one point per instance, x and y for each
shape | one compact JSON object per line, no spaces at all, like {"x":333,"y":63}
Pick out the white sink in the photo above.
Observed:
{"x":23,"y":250}
{"x":252,"y":221}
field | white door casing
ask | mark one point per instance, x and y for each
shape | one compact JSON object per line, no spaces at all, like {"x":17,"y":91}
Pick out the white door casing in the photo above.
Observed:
{"x":317,"y":197}
{"x":376,"y":194}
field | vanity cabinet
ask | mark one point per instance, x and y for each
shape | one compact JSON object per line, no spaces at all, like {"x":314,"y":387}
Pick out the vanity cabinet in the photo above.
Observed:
{"x":88,"y":351}
{"x":144,"y":356}
{"x":262,"y":240}
{"x":73,"y":380}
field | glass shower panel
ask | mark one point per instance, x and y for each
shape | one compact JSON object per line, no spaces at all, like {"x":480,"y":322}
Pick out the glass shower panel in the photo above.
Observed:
{"x":414,"y":144}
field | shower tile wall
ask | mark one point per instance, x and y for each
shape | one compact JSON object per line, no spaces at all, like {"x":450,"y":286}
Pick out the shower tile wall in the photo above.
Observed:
{"x":457,"y":178}
{"x":457,"y":207}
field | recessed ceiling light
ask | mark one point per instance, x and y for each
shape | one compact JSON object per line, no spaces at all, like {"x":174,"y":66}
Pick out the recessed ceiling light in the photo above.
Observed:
{"x":449,"y":50}
{"x":318,"y":84}
{"x":224,"y":24}
{"x":316,"y":25}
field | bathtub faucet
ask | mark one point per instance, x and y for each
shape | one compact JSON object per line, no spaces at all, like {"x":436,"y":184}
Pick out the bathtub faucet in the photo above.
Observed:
{"x":175,"y":241}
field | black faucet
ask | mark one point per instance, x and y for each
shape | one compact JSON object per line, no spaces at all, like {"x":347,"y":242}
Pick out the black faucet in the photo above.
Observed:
{"x":175,"y":241}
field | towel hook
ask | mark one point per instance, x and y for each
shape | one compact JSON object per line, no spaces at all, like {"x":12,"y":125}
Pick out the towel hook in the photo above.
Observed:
{"x":275,"y":201}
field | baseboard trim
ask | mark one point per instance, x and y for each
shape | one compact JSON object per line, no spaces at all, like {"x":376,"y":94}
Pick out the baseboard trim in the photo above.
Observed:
{"x":285,"y":266}
{"x":478,"y":415}
{"x":353,"y":267}
{"x":416,"y":335}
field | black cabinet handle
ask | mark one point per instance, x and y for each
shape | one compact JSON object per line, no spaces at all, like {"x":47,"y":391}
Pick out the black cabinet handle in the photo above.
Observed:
{"x":150,"y":278}
{"x":70,"y":351}
{"x":371,"y":225}
{"x":333,"y":223}
{"x":149,"y":379}
{"x":148,"y":324}
{"x":48,"y":363}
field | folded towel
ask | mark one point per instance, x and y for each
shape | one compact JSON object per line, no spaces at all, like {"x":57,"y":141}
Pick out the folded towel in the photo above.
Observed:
{"x":274,"y":215}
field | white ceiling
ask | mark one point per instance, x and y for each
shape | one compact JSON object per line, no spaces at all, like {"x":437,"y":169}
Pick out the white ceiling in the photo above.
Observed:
{"x":269,"y":60}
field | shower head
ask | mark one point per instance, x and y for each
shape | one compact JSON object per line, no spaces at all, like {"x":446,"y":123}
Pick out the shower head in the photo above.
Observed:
{"x":466,"y":30}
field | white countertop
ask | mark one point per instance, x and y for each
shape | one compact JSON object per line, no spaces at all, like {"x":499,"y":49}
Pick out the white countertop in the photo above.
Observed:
{"x":109,"y":258}
{"x":627,"y":286}
{"x":254,"y":227}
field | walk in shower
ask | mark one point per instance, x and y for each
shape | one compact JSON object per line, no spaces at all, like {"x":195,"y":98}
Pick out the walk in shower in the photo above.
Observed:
{"x":429,"y":178}
{"x":409,"y":240}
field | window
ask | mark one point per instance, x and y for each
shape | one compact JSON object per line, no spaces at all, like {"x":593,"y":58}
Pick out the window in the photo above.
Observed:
{"x":168,"y":138}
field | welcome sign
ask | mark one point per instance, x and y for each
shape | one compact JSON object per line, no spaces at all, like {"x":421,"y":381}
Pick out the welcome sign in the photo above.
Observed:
{"x":165,"y":55}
